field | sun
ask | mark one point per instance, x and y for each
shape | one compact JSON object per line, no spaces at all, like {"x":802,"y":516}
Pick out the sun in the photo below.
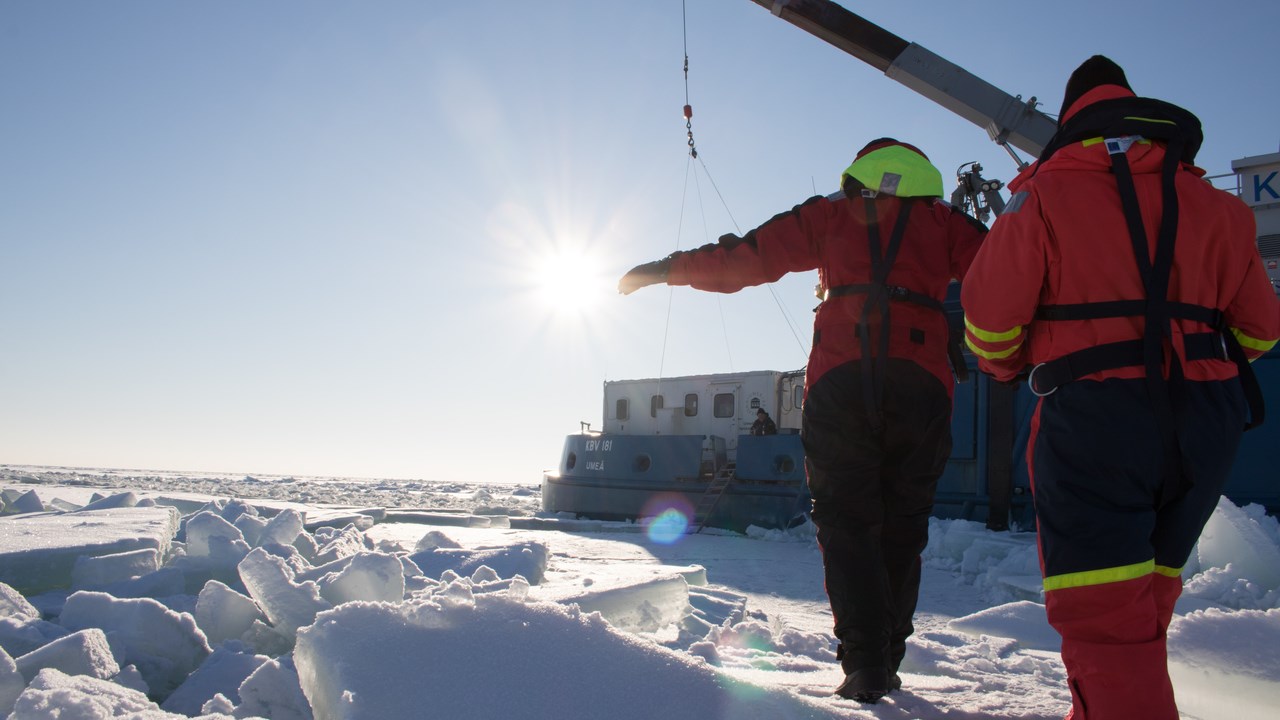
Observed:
{"x":557,"y":271}
{"x":569,"y":281}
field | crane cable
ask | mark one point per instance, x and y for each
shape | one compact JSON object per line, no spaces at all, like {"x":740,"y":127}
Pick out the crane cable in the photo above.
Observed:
{"x":688,"y":108}
{"x":791,"y":323}
{"x":671,"y":290}
{"x":706,"y":233}
{"x":693,"y":155}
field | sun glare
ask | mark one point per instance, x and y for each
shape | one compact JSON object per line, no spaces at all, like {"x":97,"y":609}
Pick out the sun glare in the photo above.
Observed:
{"x":569,"y":282}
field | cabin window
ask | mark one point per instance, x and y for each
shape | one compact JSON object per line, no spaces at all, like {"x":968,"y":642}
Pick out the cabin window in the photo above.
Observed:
{"x":621,"y":409}
{"x":798,"y":393}
{"x":691,"y":405}
{"x":724,"y":405}
{"x":655,"y":404}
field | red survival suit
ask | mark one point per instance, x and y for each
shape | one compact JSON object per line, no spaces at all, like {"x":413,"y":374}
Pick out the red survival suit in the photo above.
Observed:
{"x":830,"y":234}
{"x":1125,"y":309}
{"x":876,"y":428}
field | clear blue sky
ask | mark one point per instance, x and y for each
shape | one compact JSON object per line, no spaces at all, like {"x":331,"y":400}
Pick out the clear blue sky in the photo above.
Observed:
{"x":380,"y":239}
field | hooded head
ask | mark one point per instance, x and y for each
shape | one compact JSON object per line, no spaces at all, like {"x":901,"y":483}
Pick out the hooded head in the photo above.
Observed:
{"x":1098,"y":102}
{"x":893,"y":167}
{"x":1097,"y":73}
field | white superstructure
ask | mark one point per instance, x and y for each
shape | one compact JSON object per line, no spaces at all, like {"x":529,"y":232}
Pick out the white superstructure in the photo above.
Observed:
{"x":722,"y":404}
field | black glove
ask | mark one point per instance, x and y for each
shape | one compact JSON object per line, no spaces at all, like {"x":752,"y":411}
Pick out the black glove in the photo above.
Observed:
{"x":650,"y":273}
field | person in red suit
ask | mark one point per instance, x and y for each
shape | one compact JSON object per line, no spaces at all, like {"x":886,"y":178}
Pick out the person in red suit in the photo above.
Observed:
{"x":1132,"y":292}
{"x":877,"y":411}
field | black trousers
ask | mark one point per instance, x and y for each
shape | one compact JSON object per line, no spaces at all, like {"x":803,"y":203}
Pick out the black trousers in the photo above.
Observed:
{"x":1118,"y":510}
{"x":872,"y":497}
{"x":1104,"y":497}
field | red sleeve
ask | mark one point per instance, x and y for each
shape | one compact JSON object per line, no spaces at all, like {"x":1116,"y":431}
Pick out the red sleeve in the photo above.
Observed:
{"x":1253,"y":315}
{"x":789,"y":242}
{"x":1002,"y":287}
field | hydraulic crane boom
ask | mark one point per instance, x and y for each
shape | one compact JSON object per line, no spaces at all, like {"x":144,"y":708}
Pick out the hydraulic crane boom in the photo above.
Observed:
{"x":1008,"y":119}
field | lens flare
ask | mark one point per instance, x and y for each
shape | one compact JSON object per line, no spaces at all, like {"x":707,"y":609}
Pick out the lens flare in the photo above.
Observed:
{"x":668,"y":517}
{"x":668,"y":527}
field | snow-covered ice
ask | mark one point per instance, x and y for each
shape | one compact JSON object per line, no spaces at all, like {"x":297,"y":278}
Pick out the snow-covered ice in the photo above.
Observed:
{"x":287,"y":604}
{"x":221,"y":673}
{"x":417,"y":600}
{"x":94,"y":571}
{"x":39,"y":550}
{"x":85,"y":652}
{"x":164,"y":645}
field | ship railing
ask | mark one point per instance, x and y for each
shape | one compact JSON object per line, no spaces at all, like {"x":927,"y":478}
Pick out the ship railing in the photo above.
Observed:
{"x":1230,"y":182}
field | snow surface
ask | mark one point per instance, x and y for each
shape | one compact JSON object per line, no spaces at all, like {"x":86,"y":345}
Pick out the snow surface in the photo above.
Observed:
{"x":297,"y":598}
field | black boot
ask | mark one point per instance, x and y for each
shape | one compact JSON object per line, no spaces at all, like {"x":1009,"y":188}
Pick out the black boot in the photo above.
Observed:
{"x":865,"y":678}
{"x":866,"y":685}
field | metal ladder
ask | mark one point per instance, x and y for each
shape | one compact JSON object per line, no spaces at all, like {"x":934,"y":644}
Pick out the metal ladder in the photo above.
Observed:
{"x":711,"y":496}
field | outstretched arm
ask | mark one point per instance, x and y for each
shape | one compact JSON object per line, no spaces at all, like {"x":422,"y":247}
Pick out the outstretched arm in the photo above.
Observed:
{"x":788,"y":242}
{"x":650,"y":273}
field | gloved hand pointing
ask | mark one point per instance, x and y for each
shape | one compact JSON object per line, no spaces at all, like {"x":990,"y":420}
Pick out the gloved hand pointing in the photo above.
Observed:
{"x":650,"y":273}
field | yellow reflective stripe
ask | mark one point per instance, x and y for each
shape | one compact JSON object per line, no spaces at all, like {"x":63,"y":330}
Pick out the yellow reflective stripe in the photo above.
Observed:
{"x":989,"y":355}
{"x":1167,"y":571}
{"x":988,"y":336}
{"x":1096,"y":140}
{"x":1154,"y":120}
{"x":1099,"y":577}
{"x":1251,"y":342}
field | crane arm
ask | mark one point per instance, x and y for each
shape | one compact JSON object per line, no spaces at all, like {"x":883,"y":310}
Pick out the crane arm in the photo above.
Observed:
{"x":1008,"y":119}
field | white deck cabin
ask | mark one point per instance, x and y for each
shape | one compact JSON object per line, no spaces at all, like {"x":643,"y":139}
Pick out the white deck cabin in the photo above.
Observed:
{"x":722,"y":404}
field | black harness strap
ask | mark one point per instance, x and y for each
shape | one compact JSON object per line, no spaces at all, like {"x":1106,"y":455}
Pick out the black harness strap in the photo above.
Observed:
{"x":1168,"y":396}
{"x":1049,"y":376}
{"x":1248,"y":380}
{"x":1118,"y":121}
{"x":875,"y":360}
{"x":880,"y":295}
{"x":1220,"y":344}
{"x":1127,"y":308}
{"x":955,"y":339}
{"x":894,"y":292}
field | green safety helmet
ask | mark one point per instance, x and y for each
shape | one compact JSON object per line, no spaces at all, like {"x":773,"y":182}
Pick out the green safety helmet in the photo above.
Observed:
{"x":895,"y":168}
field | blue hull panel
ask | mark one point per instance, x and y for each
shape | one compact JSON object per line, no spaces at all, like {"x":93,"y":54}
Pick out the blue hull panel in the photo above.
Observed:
{"x":615,"y":477}
{"x":1254,"y":476}
{"x":628,"y":476}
